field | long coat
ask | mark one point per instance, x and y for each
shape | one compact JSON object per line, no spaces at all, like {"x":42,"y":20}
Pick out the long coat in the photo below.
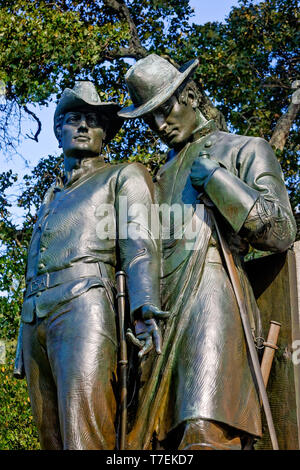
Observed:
{"x":204,"y":371}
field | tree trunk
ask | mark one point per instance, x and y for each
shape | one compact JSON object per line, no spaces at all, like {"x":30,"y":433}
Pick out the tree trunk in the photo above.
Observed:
{"x":283,"y":126}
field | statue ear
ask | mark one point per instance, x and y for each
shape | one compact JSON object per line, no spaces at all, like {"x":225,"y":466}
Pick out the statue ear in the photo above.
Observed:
{"x":105,"y":125}
{"x":58,"y":130}
{"x":192,"y":98}
{"x":103,"y":139}
{"x":59,"y":138}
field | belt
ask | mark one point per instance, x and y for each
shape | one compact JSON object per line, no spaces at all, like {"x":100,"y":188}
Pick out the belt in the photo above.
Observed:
{"x":48,"y":280}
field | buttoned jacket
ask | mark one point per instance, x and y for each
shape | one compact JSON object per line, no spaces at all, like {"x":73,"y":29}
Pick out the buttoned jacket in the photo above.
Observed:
{"x":248,"y":188}
{"x":93,"y":222}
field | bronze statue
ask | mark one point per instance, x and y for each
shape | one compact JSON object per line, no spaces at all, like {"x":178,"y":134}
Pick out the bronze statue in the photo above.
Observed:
{"x":70,"y":341}
{"x":201,"y":392}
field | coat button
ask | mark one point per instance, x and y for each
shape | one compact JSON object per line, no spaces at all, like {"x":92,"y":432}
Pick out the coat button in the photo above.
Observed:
{"x":204,"y":154}
{"x":41,"y":265}
{"x":43,"y":249}
{"x":38,"y":294}
{"x":208,"y":143}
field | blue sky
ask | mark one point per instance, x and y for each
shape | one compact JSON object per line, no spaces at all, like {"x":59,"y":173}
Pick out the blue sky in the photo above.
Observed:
{"x":205,"y":10}
{"x":212,"y":10}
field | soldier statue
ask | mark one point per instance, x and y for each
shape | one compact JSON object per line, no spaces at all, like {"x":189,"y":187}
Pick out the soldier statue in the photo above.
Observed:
{"x":201,"y":393}
{"x":70,"y":341}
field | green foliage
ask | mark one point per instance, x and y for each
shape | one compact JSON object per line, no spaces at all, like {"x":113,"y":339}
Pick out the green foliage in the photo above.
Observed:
{"x":41,"y":42}
{"x":46,"y":45}
{"x":248,"y":65}
{"x":17,"y":430}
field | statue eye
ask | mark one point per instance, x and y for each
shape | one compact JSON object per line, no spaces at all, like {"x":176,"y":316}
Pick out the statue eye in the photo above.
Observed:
{"x":92,"y":120}
{"x":73,"y":118}
{"x":148,"y":118}
{"x":166,"y":107}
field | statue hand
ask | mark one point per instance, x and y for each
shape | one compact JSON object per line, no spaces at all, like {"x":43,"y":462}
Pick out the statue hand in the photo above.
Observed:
{"x":147,"y":332}
{"x":201,"y":171}
{"x":149,"y":311}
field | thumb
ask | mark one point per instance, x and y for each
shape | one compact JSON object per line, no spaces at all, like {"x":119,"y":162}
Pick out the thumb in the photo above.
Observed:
{"x":151,"y":311}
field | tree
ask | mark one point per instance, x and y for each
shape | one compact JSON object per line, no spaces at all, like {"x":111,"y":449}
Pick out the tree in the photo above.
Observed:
{"x":250,"y":65}
{"x":246,"y":79}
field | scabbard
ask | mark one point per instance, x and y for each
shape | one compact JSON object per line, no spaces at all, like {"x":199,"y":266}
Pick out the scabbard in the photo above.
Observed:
{"x":270,"y":348}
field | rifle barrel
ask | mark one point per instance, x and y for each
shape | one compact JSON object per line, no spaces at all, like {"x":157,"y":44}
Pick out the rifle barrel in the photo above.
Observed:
{"x":123,"y":361}
{"x":235,"y":281}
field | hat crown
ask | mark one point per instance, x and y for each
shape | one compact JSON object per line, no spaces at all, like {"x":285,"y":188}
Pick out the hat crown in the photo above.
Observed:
{"x":152,"y":81}
{"x":148,"y":77}
{"x":86,"y":91}
{"x":85,"y":96}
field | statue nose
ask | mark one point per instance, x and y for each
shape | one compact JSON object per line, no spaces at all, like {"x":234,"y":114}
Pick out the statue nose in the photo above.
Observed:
{"x":83,"y":123}
{"x":160,"y":122}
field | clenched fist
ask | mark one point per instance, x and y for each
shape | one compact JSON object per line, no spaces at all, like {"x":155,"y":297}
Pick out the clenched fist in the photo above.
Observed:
{"x":201,"y":172}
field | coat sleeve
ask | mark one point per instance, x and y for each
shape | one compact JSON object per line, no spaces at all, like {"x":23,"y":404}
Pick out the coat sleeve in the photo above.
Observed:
{"x":138,"y":236}
{"x":254,"y":200}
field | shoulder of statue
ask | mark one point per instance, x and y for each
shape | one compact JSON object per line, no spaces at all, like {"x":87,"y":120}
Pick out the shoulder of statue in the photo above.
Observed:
{"x":237,"y":139}
{"x":133,"y":170}
{"x":50,"y":194}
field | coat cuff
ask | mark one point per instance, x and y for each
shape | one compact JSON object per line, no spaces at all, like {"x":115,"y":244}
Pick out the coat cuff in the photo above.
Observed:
{"x":233,"y":198}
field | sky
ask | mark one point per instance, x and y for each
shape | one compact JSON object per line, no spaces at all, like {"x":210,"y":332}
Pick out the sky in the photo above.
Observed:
{"x":205,"y":10}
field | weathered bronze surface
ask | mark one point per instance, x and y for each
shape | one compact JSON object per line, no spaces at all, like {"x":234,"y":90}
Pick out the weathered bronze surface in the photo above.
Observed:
{"x":70,"y":339}
{"x":199,"y":391}
{"x":203,"y":377}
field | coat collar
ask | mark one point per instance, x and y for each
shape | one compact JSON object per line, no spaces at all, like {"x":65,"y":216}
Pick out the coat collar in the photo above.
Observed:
{"x":206,"y":138}
{"x":85,"y":167}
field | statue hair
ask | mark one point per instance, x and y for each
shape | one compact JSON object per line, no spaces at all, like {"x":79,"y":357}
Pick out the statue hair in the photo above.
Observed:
{"x":182,"y":92}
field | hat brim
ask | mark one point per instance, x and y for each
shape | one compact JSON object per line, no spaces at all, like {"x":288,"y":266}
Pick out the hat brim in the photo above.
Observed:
{"x":109,"y":110}
{"x":132,"y":112}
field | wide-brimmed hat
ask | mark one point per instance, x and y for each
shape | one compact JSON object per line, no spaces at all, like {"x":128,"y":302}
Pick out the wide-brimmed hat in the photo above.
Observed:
{"x":84,"y":94}
{"x":152,"y":81}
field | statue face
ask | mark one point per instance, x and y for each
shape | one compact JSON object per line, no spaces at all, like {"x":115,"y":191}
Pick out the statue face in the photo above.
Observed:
{"x":82,"y":134}
{"x":173,"y":121}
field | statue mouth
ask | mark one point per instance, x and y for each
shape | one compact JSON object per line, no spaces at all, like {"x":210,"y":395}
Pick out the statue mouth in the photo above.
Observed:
{"x":82,"y":138}
{"x":170,"y":134}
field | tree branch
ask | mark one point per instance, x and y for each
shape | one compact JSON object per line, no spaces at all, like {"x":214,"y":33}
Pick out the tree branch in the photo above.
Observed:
{"x":121,"y":53}
{"x":36,"y":135}
{"x":135,"y":47}
{"x":285,"y":123}
{"x":137,"y":51}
